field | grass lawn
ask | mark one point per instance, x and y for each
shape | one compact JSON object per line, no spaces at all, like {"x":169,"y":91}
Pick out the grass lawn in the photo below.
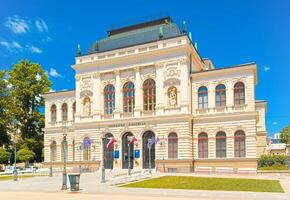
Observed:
{"x":204,"y":183}
{"x":10,"y":177}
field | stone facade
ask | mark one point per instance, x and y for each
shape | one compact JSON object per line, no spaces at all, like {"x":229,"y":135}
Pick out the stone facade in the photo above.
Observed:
{"x":178,"y":72}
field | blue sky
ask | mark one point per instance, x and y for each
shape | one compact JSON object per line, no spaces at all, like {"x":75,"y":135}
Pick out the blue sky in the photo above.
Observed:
{"x":229,"y":32}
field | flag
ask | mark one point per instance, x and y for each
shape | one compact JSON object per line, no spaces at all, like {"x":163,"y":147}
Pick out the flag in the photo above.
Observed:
{"x":110,"y":143}
{"x":151,"y":141}
{"x":132,"y":140}
{"x":87,"y":142}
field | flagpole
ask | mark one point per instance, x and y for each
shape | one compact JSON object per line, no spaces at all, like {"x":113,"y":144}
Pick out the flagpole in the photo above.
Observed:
{"x":103,"y":180}
{"x":149,"y":147}
{"x":129,"y":160}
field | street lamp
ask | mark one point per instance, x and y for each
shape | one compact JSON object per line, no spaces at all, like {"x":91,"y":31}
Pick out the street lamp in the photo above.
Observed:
{"x":64,"y":174}
{"x":15,"y":130}
{"x":14,"y":168}
{"x":50,"y":166}
{"x":80,"y":163}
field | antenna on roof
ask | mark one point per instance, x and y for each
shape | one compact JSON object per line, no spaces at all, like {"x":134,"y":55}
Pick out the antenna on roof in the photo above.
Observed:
{"x":79,"y":50}
{"x":184,"y":27}
{"x":161,"y":32}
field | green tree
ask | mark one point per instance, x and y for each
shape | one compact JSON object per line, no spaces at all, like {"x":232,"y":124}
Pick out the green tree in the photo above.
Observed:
{"x":28,"y":83}
{"x":25,"y":155}
{"x":4,"y":117}
{"x":285,"y":135}
{"x":4,"y":156}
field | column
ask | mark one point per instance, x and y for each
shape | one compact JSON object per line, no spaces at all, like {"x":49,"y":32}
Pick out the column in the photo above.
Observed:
{"x":118,"y":99}
{"x":137,"y":92}
{"x":47,"y":114}
{"x":229,"y":94}
{"x":97,"y":96}
{"x":211,"y":96}
{"x":184,"y":86}
{"x":70,"y":112}
{"x":58,"y":113}
{"x":78,"y":98}
{"x":159,"y":89}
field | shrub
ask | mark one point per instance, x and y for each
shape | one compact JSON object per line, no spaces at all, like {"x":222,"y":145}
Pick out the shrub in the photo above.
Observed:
{"x":4,"y":156}
{"x":268,"y":161}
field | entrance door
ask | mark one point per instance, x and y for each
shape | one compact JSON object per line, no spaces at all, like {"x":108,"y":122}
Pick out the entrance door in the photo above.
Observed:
{"x":125,"y":153}
{"x":145,"y":150}
{"x":109,"y":153}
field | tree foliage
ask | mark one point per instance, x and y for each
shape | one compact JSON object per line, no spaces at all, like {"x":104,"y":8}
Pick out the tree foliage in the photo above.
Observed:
{"x":25,"y":155}
{"x":4,"y":156}
{"x":4,"y":118}
{"x":285,"y":135}
{"x":28,"y":82}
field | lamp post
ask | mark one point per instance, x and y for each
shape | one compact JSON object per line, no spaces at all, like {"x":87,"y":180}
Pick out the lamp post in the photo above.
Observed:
{"x":149,"y":147}
{"x":80,"y":164}
{"x":64,"y":174}
{"x":103,"y":180}
{"x":15,"y":130}
{"x":14,"y":168}
{"x":50,"y":166}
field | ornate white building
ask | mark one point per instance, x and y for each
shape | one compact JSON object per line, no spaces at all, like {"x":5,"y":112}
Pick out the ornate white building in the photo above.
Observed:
{"x":148,"y":80}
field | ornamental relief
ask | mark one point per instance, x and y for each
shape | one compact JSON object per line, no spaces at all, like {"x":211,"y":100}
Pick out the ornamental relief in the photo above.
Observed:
{"x":172,"y":71}
{"x":147,"y":76}
{"x":126,"y":79}
{"x":86,"y":84}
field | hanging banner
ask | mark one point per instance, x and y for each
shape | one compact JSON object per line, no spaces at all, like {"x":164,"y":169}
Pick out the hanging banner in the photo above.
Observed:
{"x":137,"y":153}
{"x":116,"y":154}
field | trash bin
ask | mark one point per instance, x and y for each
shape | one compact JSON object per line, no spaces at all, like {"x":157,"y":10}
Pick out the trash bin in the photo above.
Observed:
{"x":74,"y":180}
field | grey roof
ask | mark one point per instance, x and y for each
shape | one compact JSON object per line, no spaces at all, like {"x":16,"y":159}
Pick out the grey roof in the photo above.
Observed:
{"x":137,"y":36}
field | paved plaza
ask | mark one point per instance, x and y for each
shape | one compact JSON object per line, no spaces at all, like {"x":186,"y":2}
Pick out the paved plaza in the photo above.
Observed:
{"x":49,"y":188}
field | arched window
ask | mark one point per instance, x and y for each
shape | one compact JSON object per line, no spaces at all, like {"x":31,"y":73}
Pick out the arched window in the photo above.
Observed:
{"x":149,"y":94}
{"x":202,"y":98}
{"x":87,"y":149}
{"x":240,"y":144}
{"x":202,"y":145}
{"x":220,"y":95}
{"x":53,"y":151}
{"x":53,"y":113}
{"x":73,"y":150}
{"x":172,"y":96}
{"x":172,"y":146}
{"x":109,"y":99}
{"x":128,"y":97}
{"x":64,"y":112}
{"x":87,"y":106}
{"x":221,"y":145}
{"x":74,"y":110}
{"x":239,"y":93}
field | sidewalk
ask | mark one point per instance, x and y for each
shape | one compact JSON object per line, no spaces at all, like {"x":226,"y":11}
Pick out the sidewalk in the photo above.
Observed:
{"x":46,"y":187}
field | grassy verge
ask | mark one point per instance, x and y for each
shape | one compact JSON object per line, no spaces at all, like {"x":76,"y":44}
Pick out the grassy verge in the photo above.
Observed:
{"x":204,"y":183}
{"x":10,"y":177}
{"x":274,"y":167}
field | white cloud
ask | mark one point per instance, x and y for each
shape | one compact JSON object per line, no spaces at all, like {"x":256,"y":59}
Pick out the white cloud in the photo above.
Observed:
{"x":47,"y":39}
{"x":17,"y":24}
{"x":41,"y":25}
{"x":266,"y":68}
{"x":34,"y":49}
{"x":275,"y":123}
{"x":52,"y":72}
{"x":11,"y":46}
{"x":51,"y":90}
